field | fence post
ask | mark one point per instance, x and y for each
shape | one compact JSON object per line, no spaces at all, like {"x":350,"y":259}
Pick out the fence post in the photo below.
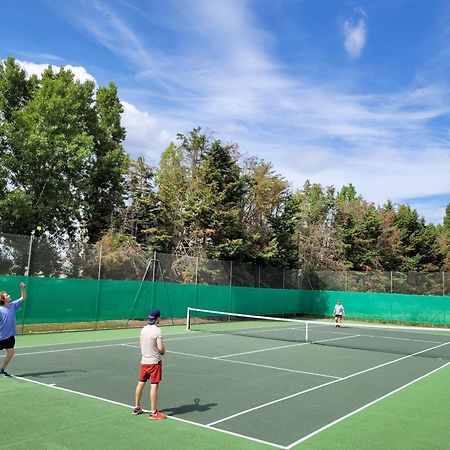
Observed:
{"x":392,"y":283}
{"x":27,"y":274}
{"x":99,"y":276}
{"x":196,"y":270}
{"x":283,"y":276}
{"x":231,"y":288}
{"x":154,"y":267}
{"x":196,"y":281}
{"x":443,"y":283}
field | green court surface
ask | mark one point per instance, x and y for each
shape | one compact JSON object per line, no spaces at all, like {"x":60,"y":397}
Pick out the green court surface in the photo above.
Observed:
{"x":76,"y":390}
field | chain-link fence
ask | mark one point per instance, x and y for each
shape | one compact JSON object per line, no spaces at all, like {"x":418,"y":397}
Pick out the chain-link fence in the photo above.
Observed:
{"x":45,"y":257}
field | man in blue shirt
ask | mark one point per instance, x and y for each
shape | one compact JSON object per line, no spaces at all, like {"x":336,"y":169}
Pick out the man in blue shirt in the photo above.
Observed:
{"x":8,"y":327}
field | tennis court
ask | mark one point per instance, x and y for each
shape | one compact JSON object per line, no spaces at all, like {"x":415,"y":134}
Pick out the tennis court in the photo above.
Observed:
{"x":261,"y":382}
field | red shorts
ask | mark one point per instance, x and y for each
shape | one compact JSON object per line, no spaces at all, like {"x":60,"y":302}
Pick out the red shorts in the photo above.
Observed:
{"x":151,"y":372}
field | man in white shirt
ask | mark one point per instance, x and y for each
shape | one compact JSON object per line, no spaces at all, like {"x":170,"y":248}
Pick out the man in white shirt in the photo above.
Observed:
{"x":152,"y":347}
{"x":338,"y":313}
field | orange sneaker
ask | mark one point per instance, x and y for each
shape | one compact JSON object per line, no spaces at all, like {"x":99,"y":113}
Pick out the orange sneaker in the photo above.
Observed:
{"x":157,"y":416}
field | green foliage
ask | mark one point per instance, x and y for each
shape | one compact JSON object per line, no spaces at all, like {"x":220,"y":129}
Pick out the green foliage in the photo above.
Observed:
{"x":62,"y":163}
{"x":419,"y":249}
{"x":106,"y":187}
{"x":63,"y":167}
{"x":212,"y":208}
{"x":359,"y":229}
{"x":144,"y":217}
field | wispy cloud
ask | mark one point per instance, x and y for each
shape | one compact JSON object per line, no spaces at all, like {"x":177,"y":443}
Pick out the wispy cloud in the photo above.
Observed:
{"x":222,"y":75}
{"x":355,"y":32}
{"x":355,"y":37}
{"x":39,"y":56}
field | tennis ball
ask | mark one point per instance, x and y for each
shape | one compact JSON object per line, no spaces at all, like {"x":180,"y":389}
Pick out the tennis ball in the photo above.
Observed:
{"x":39,"y":228}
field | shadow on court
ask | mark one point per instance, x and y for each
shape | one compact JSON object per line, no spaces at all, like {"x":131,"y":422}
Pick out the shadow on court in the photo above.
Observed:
{"x":185,"y":409}
{"x":50,"y":373}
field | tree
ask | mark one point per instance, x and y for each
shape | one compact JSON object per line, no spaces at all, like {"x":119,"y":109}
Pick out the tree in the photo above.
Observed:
{"x":201,"y":190}
{"x":174,"y":180}
{"x":318,"y":246}
{"x":212,"y":210}
{"x":446,"y":224}
{"x":144,"y":217}
{"x":267,"y":214}
{"x":61,"y":158}
{"x":419,"y":246}
{"x":106,"y":187}
{"x":48,"y":156}
{"x":359,"y":228}
{"x":389,"y":245}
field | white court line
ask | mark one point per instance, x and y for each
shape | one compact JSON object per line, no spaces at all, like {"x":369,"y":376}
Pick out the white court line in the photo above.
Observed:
{"x":264,"y":405}
{"x":253,"y":364}
{"x":304,"y":438}
{"x":280,"y":368}
{"x":95,"y":397}
{"x":261,"y":350}
{"x":67,"y":349}
{"x":283,"y":346}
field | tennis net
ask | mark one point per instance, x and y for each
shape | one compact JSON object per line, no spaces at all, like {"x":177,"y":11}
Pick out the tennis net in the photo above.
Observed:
{"x":433,"y":343}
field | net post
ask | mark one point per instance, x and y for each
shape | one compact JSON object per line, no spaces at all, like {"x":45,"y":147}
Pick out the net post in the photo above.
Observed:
{"x":188,"y":319}
{"x":306,"y":331}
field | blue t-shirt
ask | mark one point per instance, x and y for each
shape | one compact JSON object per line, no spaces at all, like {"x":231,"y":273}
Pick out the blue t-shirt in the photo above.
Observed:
{"x":8,"y":326}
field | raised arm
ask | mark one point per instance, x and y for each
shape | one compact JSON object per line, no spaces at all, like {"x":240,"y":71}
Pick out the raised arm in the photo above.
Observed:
{"x":23,"y":293}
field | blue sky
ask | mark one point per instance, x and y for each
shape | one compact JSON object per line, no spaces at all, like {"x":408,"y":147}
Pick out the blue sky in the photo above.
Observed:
{"x":331,"y":91}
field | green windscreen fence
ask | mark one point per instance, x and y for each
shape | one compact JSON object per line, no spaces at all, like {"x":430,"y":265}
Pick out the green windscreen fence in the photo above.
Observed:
{"x":65,"y":300}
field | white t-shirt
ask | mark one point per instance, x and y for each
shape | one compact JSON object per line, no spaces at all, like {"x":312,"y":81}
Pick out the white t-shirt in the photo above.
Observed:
{"x":149,"y":347}
{"x":338,"y":310}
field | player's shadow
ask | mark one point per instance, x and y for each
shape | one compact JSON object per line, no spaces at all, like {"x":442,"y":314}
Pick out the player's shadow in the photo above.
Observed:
{"x":49,"y":373}
{"x":184,"y":409}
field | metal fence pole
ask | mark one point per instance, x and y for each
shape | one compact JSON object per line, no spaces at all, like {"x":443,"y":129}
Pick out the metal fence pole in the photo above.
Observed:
{"x":27,"y":274}
{"x":196,"y":270}
{"x":443,"y":283}
{"x":196,"y":281}
{"x":392,"y":283}
{"x":99,"y":276}
{"x":154,"y":267}
{"x":231,"y":288}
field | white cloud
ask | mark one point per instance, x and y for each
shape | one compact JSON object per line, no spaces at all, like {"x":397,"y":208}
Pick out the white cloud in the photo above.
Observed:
{"x":145,"y":134}
{"x":81,"y":74}
{"x":355,"y":37}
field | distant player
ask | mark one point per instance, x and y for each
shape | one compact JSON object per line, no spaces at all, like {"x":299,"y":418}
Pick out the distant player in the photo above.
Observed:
{"x":152,"y":347}
{"x":338,"y":313}
{"x":8,"y":327}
